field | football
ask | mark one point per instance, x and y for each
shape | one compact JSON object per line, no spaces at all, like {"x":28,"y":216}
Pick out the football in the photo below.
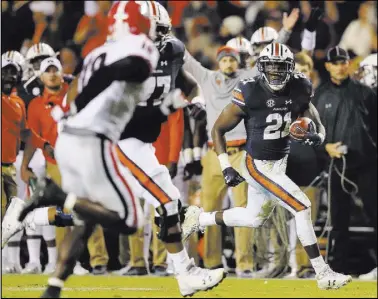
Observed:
{"x":300,"y":127}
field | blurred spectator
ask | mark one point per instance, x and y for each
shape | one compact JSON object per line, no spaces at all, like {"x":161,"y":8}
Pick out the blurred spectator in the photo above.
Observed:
{"x":70,"y":58}
{"x":361,"y":28}
{"x":231,"y":27}
{"x":93,"y":26}
{"x":348,"y":110}
{"x":200,"y":18}
{"x":17,"y":23}
{"x":201,"y":22}
{"x":271,"y":15}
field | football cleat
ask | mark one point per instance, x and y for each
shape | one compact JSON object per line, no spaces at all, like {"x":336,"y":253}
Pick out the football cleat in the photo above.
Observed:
{"x":196,"y":279}
{"x":331,"y":280}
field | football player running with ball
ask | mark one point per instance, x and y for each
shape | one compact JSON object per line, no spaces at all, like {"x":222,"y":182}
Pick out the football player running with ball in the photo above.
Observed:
{"x":268,"y":103}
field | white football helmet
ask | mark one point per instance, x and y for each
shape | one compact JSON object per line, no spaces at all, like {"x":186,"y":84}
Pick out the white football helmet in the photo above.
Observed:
{"x":38,"y":50}
{"x":243,"y":46}
{"x":130,"y":17}
{"x":261,"y":38}
{"x":276,"y":64}
{"x":162,"y":19}
{"x":15,"y":57}
{"x":367,"y":71}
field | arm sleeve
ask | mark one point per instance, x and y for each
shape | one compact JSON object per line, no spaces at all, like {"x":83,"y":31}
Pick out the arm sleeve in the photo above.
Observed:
{"x":195,"y":68}
{"x":176,"y":134}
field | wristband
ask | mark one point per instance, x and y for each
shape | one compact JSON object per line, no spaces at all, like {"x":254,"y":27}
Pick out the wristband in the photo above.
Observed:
{"x":197,"y":153}
{"x":188,"y":155}
{"x":223,"y":160}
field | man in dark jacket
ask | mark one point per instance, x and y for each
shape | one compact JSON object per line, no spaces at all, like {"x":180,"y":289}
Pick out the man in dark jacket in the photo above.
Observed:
{"x":348,"y":111}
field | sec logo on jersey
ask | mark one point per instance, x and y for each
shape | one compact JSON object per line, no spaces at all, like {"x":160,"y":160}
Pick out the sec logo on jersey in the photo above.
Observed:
{"x":270,"y":103}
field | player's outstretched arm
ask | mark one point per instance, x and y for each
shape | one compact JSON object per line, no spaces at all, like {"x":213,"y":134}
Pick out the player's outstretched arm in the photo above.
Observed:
{"x":230,"y":117}
{"x":313,"y":114}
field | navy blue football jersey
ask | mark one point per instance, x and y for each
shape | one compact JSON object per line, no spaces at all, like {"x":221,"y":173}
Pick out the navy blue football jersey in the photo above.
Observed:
{"x":269,"y":114}
{"x":145,"y":124}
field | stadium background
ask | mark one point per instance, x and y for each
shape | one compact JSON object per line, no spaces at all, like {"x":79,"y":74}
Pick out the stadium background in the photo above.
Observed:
{"x":203,"y":26}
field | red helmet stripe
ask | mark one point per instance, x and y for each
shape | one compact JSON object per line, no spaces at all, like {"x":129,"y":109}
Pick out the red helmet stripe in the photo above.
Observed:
{"x":154,"y":12}
{"x":276,"y":49}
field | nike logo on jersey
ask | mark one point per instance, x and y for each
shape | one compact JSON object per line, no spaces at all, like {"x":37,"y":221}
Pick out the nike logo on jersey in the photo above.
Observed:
{"x":288,"y":102}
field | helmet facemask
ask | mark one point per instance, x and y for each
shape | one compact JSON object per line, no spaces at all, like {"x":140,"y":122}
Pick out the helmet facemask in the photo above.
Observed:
{"x":276,"y":72}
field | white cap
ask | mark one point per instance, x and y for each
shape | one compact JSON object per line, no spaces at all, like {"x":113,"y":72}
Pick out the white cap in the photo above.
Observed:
{"x":5,"y":62}
{"x":49,"y":62}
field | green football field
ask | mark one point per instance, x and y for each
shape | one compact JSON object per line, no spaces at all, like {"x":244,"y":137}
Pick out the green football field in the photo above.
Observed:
{"x":32,"y":286}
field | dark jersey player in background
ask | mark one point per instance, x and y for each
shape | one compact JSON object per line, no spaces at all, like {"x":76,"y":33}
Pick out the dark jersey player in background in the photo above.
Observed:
{"x":137,"y":153}
{"x":268,"y":104}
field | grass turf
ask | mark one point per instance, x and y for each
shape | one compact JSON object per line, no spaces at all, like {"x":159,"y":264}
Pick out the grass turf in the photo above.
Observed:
{"x":32,"y":286}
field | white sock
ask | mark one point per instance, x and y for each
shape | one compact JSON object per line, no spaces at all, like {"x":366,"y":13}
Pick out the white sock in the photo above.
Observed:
{"x":318,"y":264}
{"x":34,"y":248}
{"x":48,"y":233}
{"x":207,"y":219}
{"x":180,"y":260}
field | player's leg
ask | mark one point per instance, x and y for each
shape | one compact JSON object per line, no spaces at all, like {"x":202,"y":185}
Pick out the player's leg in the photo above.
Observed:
{"x":69,"y":251}
{"x":157,"y":188}
{"x":271,"y":176}
{"x":89,"y":166}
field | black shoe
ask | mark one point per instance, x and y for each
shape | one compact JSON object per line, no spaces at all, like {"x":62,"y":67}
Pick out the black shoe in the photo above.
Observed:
{"x":46,"y":193}
{"x":160,"y":271}
{"x":136,"y":271}
{"x":99,"y":270}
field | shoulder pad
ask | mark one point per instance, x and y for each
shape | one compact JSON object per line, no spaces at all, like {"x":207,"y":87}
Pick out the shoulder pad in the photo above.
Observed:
{"x":242,"y":91}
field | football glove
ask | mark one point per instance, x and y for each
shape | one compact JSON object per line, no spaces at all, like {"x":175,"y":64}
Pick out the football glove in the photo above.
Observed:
{"x":231,"y":177}
{"x":312,"y":139}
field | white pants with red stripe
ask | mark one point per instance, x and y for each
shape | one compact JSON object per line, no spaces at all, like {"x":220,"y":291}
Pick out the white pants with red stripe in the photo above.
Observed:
{"x":155,"y":184}
{"x":90,"y":168}
{"x":269,"y":186}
